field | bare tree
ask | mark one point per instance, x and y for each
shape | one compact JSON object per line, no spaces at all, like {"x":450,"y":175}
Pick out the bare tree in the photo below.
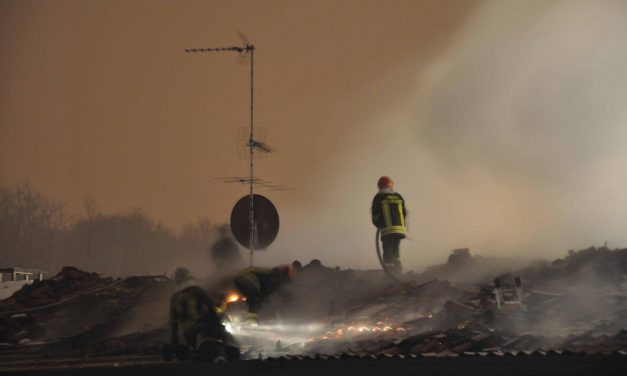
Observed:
{"x":31,"y":225}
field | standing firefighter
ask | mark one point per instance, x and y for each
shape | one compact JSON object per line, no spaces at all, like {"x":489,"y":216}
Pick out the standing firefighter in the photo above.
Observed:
{"x":388,"y":215}
{"x":193,"y":317}
{"x":258,"y":283}
{"x":225,"y":252}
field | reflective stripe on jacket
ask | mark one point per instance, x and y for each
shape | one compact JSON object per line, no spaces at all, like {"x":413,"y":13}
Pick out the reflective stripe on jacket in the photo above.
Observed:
{"x":188,"y":307}
{"x":388,"y":213}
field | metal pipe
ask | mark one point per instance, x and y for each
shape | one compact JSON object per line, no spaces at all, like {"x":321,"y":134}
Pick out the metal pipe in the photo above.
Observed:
{"x":251,"y":214}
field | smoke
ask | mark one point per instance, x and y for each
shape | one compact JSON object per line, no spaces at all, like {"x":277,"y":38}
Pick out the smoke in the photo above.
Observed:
{"x":523,"y":119}
{"x":512,"y":142}
{"x":499,"y":121}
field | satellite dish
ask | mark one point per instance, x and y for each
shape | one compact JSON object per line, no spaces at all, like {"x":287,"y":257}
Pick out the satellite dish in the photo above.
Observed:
{"x":266,"y":222}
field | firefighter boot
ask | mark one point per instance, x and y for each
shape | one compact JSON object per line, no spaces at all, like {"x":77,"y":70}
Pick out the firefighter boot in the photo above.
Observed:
{"x":397,"y":269}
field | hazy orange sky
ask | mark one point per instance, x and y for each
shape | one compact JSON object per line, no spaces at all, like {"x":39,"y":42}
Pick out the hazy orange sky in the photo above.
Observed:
{"x":502,"y":123}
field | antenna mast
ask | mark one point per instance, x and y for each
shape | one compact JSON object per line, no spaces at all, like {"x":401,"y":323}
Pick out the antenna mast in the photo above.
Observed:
{"x":248,"y":49}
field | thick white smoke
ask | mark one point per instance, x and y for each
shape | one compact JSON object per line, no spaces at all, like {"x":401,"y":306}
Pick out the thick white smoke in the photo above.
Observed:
{"x":513,"y":142}
{"x":524,"y":117}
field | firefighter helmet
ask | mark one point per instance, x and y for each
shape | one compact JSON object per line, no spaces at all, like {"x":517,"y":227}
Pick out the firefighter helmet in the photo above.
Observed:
{"x":385,"y":182}
{"x":181,"y":275}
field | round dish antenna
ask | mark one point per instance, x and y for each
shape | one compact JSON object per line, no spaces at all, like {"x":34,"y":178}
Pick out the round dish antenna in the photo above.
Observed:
{"x":265,"y":222}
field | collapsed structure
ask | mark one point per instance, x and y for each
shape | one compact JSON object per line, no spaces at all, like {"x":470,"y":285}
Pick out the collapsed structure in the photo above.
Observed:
{"x":577,"y":304}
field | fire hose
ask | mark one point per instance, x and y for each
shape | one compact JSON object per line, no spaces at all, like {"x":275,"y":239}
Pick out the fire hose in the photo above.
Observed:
{"x":377,"y":241}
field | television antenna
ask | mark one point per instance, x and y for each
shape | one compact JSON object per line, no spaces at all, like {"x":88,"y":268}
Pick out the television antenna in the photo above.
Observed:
{"x":262,"y":149}
{"x":254,"y":145}
{"x":255,"y":181}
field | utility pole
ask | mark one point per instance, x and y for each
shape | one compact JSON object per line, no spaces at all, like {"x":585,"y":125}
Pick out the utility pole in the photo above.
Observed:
{"x":248,"y":49}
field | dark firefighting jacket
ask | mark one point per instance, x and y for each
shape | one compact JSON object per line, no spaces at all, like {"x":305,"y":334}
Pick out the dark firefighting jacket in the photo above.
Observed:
{"x":192,"y":313}
{"x":388,"y":213}
{"x":259,"y":282}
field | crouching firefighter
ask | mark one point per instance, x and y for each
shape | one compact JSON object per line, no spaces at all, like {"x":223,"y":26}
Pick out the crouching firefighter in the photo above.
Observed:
{"x":388,"y":215}
{"x":258,"y":283}
{"x":193,"y":317}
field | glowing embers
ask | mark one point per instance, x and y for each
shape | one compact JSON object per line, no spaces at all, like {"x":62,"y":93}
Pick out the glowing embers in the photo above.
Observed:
{"x":359,"y":331}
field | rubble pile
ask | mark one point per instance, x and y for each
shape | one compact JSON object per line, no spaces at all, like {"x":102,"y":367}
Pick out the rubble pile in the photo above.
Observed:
{"x":49,"y":291}
{"x":576,"y":304}
{"x":462,"y":267}
{"x":319,"y":291}
{"x":66,"y":313}
{"x":601,"y":266}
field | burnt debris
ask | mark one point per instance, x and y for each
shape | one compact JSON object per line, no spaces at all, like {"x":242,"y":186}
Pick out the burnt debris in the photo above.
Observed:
{"x":574,"y":305}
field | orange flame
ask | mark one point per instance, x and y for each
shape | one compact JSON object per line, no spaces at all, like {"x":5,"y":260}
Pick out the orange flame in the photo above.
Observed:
{"x":234,"y":297}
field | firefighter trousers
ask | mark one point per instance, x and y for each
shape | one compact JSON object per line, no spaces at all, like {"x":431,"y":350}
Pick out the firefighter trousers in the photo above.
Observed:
{"x":391,"y":248}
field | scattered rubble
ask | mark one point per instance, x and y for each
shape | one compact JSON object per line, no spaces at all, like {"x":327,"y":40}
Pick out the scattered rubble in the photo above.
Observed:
{"x":74,"y":308}
{"x":573,"y":305}
{"x":534,"y":309}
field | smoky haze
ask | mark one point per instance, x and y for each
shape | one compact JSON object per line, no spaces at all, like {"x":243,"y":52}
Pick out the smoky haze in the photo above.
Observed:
{"x":522,"y":120}
{"x":500,"y":122}
{"x":511,"y":141}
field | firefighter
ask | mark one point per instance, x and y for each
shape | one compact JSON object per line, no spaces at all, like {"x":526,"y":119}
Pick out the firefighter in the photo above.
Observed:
{"x":388,"y":215}
{"x":257,"y":283}
{"x":193,"y":317}
{"x":225,"y":252}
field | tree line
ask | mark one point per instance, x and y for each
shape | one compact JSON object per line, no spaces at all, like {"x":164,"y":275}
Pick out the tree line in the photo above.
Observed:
{"x":38,"y":232}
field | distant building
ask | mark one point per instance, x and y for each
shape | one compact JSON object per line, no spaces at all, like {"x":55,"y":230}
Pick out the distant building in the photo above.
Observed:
{"x":18,"y":274}
{"x":13,"y":279}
